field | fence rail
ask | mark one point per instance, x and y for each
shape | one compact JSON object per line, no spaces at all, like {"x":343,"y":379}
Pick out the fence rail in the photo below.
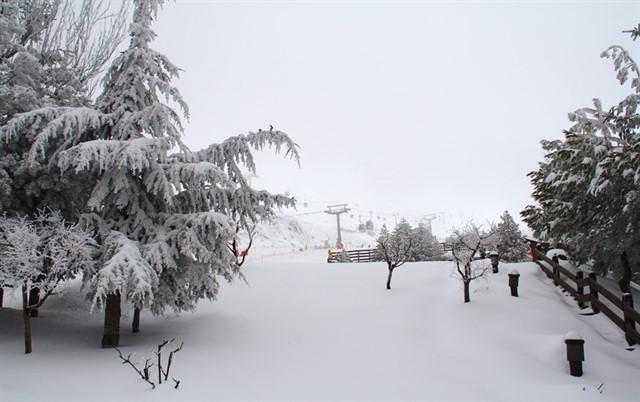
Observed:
{"x":362,"y":255}
{"x":619,"y":310}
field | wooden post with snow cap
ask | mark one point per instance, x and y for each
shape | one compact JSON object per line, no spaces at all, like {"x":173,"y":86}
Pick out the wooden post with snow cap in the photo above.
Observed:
{"x":575,"y":353}
{"x":495,"y":258}
{"x":514,"y":277}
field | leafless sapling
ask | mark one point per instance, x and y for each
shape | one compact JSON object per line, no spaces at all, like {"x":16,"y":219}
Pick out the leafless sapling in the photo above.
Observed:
{"x":41,"y":253}
{"x":145,"y":373}
{"x":465,"y":244}
{"x":395,"y":248}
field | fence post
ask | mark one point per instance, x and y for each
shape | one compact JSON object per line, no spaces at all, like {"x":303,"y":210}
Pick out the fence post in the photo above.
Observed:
{"x":532,"y":249}
{"x":556,"y":273}
{"x":580,"y":288}
{"x":593,"y":292}
{"x":627,"y":302}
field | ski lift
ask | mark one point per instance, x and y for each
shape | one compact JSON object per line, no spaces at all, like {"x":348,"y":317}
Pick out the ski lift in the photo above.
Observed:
{"x":369,"y":225}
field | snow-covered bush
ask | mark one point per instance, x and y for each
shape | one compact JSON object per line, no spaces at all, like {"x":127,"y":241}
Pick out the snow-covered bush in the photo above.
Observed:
{"x":37,"y":255}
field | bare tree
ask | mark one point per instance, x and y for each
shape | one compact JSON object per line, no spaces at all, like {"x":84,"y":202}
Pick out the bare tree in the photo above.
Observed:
{"x":466,"y":244}
{"x":75,"y":38}
{"x":41,"y":254}
{"x":396,"y":248}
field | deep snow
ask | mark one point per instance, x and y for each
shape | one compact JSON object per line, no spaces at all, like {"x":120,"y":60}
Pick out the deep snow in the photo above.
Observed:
{"x":304,"y":329}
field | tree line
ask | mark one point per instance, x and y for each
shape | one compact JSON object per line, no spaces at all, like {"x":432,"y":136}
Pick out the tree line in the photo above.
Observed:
{"x":465,"y":246}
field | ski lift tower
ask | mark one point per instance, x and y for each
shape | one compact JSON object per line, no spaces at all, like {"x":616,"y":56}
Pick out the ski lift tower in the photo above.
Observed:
{"x":337,"y":210}
{"x":428,"y":219}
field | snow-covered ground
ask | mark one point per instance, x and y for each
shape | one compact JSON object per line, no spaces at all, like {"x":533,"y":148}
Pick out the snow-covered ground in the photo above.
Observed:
{"x":303,"y":329}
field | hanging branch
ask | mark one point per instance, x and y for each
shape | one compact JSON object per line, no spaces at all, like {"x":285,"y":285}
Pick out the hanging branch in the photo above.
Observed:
{"x":234,"y":247}
{"x":128,"y":361}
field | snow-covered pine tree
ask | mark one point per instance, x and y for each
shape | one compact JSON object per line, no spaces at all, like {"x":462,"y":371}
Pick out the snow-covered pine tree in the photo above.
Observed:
{"x":510,"y":242}
{"x":163,"y":214}
{"x":426,"y":244}
{"x":586,"y":188}
{"x":50,"y":50}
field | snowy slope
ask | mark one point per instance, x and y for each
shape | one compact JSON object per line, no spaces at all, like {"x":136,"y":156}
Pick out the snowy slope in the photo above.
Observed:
{"x":290,"y":235}
{"x":303,"y":330}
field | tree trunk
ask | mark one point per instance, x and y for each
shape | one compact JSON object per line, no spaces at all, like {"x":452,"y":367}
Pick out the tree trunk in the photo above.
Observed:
{"x":1,"y":296}
{"x":467,"y":299}
{"x":111,"y":334}
{"x":26,"y":316}
{"x":34,"y":299}
{"x":625,"y":281}
{"x":389,"y":278}
{"x":135,"y":326}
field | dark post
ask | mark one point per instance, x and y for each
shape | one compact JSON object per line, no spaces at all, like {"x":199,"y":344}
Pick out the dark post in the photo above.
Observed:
{"x":532,"y":250}
{"x":494,"y":261}
{"x":514,"y":277}
{"x":629,"y":324}
{"x":580,"y":288}
{"x":593,"y":292}
{"x":1,"y":295}
{"x":575,"y":353}
{"x":556,"y":272}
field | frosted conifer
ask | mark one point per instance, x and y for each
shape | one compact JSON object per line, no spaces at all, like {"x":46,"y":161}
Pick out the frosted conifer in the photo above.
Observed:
{"x":510,"y":242}
{"x":163,"y":214}
{"x":586,"y":187}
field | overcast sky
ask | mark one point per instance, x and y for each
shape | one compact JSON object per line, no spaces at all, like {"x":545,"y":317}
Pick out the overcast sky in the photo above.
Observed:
{"x":407,"y":107}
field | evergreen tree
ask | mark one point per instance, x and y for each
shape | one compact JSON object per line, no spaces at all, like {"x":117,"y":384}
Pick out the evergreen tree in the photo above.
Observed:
{"x":586,"y":187}
{"x":426,"y":245}
{"x":163,"y":214}
{"x":510,"y":242}
{"x":48,"y":57}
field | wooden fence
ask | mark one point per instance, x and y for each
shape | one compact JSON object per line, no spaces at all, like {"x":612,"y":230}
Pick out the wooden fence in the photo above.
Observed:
{"x":362,"y":255}
{"x":602,"y":300}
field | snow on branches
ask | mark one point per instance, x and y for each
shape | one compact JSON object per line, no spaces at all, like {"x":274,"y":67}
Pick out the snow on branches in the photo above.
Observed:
{"x":42,"y":252}
{"x":586,"y":187}
{"x":466,"y":244}
{"x":123,"y":270}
